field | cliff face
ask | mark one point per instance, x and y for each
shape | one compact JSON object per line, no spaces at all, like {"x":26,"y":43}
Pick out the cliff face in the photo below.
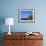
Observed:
{"x":30,"y":17}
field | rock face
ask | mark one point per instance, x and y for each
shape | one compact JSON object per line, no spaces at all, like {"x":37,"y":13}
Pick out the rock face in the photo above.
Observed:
{"x":30,"y":17}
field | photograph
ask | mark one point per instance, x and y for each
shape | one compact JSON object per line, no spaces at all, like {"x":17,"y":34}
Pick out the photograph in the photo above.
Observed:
{"x":26,"y":15}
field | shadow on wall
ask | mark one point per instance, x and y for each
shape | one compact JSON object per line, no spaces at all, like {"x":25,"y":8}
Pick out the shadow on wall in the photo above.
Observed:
{"x":2,"y":21}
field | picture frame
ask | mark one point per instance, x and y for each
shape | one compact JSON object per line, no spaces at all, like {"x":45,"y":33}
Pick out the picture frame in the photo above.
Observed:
{"x":26,"y":15}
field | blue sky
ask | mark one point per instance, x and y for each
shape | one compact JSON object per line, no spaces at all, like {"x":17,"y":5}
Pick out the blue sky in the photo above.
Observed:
{"x":25,"y":14}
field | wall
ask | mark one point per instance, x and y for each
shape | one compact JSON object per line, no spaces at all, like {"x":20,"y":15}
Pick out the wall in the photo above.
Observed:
{"x":9,"y":8}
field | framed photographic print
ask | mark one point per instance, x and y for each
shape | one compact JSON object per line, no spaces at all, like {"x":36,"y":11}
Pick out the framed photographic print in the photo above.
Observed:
{"x":26,"y":15}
